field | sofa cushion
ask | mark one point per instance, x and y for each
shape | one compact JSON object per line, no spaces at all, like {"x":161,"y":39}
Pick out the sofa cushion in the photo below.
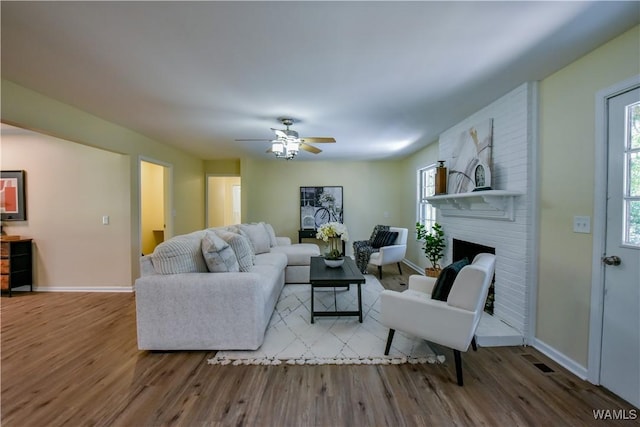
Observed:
{"x":446,"y":278}
{"x":218,"y":255}
{"x":384,"y":238}
{"x":241,"y":247}
{"x":273,"y":240}
{"x":180,"y":254}
{"x":258,"y":235}
{"x":298,"y":254}
{"x":273,"y":259}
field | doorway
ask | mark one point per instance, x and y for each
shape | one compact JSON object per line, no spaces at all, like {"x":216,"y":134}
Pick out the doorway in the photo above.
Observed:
{"x":154,"y":205}
{"x":223,"y":200}
{"x":614,"y":348}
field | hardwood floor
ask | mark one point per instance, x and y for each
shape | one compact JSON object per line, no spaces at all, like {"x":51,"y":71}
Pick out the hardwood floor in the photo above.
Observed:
{"x":70,"y":359}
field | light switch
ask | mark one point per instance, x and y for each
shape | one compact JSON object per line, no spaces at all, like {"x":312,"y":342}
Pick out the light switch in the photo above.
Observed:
{"x":105,"y":220}
{"x":582,"y":224}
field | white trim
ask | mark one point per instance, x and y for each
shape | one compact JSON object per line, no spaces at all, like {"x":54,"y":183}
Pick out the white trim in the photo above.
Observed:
{"x":558,"y":357}
{"x":534,"y":213}
{"x":117,"y":289}
{"x":600,"y":223}
{"x":489,"y":204}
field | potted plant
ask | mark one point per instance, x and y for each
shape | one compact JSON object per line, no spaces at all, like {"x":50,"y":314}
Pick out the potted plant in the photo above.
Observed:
{"x":334,"y":233}
{"x":433,"y":244}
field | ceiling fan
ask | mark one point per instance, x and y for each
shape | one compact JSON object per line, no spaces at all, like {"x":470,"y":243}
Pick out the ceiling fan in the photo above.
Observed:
{"x":288,"y":143}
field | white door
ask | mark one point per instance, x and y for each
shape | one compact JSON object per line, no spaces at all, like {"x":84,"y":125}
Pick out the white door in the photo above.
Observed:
{"x":620,"y":354}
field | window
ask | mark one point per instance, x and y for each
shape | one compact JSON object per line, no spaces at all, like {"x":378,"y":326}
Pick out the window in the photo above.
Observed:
{"x":632,"y":177}
{"x":426,"y":188}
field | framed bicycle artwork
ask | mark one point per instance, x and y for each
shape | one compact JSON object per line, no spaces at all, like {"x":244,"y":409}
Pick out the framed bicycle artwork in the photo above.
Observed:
{"x":319,"y":205}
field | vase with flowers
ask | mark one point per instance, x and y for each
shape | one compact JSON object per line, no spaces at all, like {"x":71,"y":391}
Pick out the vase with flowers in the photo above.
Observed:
{"x":333,"y":233}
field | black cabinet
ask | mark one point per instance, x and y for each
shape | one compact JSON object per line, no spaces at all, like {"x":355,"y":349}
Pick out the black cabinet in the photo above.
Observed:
{"x":16,"y":264}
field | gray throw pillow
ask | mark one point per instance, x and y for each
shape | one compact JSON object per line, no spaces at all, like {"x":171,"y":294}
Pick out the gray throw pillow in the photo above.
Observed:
{"x":180,"y":254}
{"x":273,"y":241}
{"x":218,"y":255}
{"x":241,"y":247}
{"x":258,"y":236}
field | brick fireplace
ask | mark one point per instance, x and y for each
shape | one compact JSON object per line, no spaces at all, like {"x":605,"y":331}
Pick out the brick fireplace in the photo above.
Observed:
{"x":511,"y":236}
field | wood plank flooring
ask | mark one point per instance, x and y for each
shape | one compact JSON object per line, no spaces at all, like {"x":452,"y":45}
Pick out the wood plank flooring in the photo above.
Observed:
{"x":70,"y":359}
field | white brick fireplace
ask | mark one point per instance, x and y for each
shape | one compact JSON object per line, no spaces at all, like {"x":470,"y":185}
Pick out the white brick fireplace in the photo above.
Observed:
{"x":511,"y":234}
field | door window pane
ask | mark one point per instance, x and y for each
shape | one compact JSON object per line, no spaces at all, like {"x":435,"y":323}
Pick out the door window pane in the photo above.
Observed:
{"x":632,"y":176}
{"x":633,"y":222}
{"x":634,"y":125}
{"x":634,"y":172}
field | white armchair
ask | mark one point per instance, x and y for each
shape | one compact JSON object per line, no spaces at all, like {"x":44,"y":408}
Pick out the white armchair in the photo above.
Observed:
{"x":391,"y":254}
{"x":451,"y":323}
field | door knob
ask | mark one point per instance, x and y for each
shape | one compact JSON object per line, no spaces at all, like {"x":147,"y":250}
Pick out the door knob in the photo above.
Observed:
{"x":612,"y":260}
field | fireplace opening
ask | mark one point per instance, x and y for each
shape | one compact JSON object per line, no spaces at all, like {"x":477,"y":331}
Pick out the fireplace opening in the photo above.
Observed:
{"x":462,"y":249}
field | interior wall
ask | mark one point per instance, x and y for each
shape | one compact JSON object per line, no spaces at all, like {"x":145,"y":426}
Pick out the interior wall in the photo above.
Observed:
{"x":409,"y":191}
{"x":220,"y":200}
{"x":69,"y":188}
{"x":372,"y":193}
{"x":28,"y":109}
{"x":567,"y":140}
{"x":229,"y":167}
{"x":152,"y":206}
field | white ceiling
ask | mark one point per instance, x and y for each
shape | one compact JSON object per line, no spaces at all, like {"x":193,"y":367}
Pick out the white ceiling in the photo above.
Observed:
{"x":383,"y":78}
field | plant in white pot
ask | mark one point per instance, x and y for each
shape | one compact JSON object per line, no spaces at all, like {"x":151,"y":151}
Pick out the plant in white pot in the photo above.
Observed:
{"x":433,"y":244}
{"x":334,"y":233}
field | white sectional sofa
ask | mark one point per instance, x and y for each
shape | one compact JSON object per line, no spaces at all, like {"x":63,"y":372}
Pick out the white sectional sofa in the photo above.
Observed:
{"x":182,"y":305}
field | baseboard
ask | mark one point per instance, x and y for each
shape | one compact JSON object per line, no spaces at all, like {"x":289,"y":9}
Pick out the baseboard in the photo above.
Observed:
{"x":417,"y":268}
{"x":567,"y":363}
{"x":83,"y":289}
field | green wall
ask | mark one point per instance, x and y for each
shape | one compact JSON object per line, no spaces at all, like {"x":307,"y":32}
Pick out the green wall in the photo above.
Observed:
{"x":373,"y":193}
{"x":567,"y":173}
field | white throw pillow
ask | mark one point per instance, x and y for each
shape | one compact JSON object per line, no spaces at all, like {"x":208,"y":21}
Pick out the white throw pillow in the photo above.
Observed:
{"x":241,"y":247}
{"x":218,"y":255}
{"x":258,"y":235}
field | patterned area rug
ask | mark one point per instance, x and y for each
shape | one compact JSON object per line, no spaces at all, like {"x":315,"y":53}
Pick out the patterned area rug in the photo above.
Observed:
{"x":292,"y":339}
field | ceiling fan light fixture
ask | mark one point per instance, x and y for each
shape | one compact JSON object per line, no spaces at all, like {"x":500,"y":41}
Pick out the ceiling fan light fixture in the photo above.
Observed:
{"x":278,"y":148}
{"x":293,"y":147}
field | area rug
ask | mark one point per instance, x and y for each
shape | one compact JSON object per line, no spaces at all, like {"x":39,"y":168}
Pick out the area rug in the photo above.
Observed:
{"x":292,"y":339}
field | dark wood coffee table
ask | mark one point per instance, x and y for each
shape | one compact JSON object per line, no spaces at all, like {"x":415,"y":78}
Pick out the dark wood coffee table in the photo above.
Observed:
{"x":321,"y":276}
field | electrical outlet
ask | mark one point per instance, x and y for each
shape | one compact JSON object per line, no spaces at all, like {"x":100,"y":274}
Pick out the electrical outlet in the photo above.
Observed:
{"x":582,"y":224}
{"x":105,"y":220}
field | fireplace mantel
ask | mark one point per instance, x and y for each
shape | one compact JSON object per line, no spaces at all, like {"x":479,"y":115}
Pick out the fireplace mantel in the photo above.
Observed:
{"x":489,"y":204}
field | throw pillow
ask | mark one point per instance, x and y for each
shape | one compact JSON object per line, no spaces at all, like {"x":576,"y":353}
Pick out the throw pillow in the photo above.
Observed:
{"x":272,"y":234}
{"x":180,"y":254}
{"x":446,"y":278}
{"x":218,"y":255}
{"x":384,"y":238}
{"x":241,"y":247}
{"x":258,"y":235}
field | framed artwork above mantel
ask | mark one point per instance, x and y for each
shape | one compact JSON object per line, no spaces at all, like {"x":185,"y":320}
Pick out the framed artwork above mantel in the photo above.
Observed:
{"x":319,"y":205}
{"x":12,"y":196}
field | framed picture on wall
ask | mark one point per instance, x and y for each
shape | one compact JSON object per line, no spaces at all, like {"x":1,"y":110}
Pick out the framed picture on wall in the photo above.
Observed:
{"x":319,"y":205}
{"x":12,"y":196}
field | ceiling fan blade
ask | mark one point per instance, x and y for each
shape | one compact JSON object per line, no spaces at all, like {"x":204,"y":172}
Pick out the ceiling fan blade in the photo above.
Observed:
{"x":310,"y":148}
{"x":244,"y":140}
{"x":317,"y":139}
